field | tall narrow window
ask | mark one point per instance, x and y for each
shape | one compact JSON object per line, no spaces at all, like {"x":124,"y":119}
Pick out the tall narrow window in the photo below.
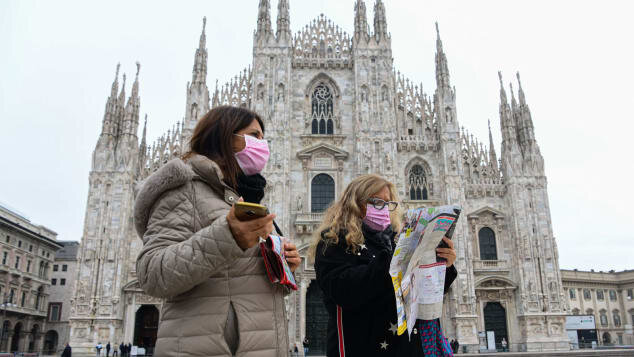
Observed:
{"x":612,"y":295}
{"x":322,"y":110}
{"x":600,"y":294}
{"x":417,"y":182}
{"x":616,"y":316}
{"x":322,"y":192}
{"x":488,"y":248}
{"x":573,"y":294}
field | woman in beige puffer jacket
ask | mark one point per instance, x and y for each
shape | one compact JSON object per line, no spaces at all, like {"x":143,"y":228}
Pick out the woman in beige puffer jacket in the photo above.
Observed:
{"x":204,"y":262}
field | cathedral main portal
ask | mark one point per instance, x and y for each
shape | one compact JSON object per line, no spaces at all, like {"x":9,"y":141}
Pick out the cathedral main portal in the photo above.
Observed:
{"x":495,"y":320}
{"x":316,"y":320}
{"x":146,"y":328}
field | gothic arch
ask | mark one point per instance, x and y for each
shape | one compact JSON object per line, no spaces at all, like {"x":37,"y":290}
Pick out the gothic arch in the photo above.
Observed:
{"x":509,"y":283}
{"x":319,"y":87}
{"x":322,"y":78}
{"x":418,"y":185}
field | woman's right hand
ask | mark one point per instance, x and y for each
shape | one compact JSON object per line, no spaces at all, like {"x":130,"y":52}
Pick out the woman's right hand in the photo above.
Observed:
{"x":248,"y":233}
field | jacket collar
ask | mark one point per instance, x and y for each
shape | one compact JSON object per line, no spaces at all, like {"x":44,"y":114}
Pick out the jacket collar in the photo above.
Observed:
{"x":208,"y":171}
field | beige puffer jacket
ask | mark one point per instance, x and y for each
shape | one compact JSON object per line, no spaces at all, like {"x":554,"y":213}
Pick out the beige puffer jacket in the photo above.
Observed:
{"x":218,"y":299}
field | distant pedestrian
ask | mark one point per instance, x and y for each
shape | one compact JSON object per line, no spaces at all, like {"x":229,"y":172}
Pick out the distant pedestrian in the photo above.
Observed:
{"x":67,"y":351}
{"x":457,"y":345}
{"x":114,"y":350}
{"x":295,"y":351}
{"x":98,"y":348}
{"x":305,"y":343}
{"x":504,"y":344}
{"x":108,"y":349}
{"x":128,"y":349}
{"x":122,"y":349}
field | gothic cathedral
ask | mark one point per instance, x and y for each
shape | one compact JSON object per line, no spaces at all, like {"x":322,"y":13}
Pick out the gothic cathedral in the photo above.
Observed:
{"x":334,"y":108}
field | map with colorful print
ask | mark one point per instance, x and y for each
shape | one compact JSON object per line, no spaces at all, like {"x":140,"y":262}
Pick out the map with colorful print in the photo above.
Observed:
{"x":418,"y":278}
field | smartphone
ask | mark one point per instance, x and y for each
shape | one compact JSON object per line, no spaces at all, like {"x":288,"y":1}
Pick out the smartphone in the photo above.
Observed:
{"x":246,"y":211}
{"x":448,"y":234}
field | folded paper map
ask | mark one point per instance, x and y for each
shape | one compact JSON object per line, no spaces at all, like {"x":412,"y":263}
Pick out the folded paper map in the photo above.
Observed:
{"x":417,"y":276}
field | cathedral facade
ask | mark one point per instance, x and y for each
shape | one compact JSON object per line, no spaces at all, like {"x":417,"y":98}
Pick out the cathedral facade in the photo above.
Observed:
{"x":335,"y":107}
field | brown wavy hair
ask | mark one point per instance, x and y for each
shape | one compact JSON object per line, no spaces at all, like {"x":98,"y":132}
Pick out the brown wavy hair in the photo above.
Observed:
{"x":213,"y":135}
{"x":346,"y":214}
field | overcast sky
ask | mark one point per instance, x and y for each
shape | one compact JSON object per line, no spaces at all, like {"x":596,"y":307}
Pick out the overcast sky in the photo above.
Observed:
{"x":58,"y":58}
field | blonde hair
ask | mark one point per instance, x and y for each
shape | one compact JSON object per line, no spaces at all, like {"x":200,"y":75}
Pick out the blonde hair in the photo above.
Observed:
{"x":346,"y":213}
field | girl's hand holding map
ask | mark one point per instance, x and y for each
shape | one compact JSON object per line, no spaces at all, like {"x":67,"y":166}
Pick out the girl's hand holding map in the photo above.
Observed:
{"x":447,"y":253}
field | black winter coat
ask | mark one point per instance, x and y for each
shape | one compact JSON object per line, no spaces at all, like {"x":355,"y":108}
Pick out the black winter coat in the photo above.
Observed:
{"x":67,"y":351}
{"x":359,"y":297}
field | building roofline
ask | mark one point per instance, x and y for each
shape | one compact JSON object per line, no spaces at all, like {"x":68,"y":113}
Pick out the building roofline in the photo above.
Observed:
{"x":30,"y":232}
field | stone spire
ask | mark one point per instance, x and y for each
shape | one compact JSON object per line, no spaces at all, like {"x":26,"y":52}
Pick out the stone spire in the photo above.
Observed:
{"x":264,"y":20}
{"x":526,"y":121}
{"x":510,"y":153}
{"x":360,"y":20}
{"x":283,"y":21}
{"x":143,"y":145}
{"x":142,"y":150}
{"x":493,"y":159}
{"x":120,"y":110}
{"x":197,"y":92}
{"x":380,"y":22}
{"x":442,"y":69}
{"x":131,"y":118}
{"x":109,"y":116}
{"x":199,"y":72}
{"x":502,"y":91}
{"x":507,"y":123}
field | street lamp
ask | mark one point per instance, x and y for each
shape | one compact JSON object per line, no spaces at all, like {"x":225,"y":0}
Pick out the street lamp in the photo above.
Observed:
{"x":5,"y":304}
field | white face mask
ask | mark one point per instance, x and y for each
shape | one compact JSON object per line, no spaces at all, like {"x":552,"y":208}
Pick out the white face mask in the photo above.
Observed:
{"x":254,"y":156}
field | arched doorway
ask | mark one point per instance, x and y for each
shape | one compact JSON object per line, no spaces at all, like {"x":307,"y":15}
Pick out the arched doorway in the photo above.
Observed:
{"x":495,"y":320}
{"x":316,"y":320}
{"x":50,"y":342}
{"x":17,"y":335}
{"x":35,"y":331}
{"x":146,"y":327}
{"x":607,"y":339}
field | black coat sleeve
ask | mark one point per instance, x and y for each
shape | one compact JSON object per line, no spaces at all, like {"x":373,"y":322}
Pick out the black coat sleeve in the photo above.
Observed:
{"x":450,"y":276}
{"x":346,"y":282}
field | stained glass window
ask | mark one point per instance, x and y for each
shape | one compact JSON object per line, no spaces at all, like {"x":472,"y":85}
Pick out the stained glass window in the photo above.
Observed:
{"x":322,"y":110}
{"x":417,"y":183}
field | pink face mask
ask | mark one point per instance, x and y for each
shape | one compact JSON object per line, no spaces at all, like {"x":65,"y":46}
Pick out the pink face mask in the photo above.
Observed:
{"x":254,"y":156}
{"x":378,"y":219}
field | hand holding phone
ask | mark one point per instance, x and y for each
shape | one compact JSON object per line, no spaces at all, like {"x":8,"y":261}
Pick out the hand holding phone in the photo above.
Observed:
{"x":247,"y":232}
